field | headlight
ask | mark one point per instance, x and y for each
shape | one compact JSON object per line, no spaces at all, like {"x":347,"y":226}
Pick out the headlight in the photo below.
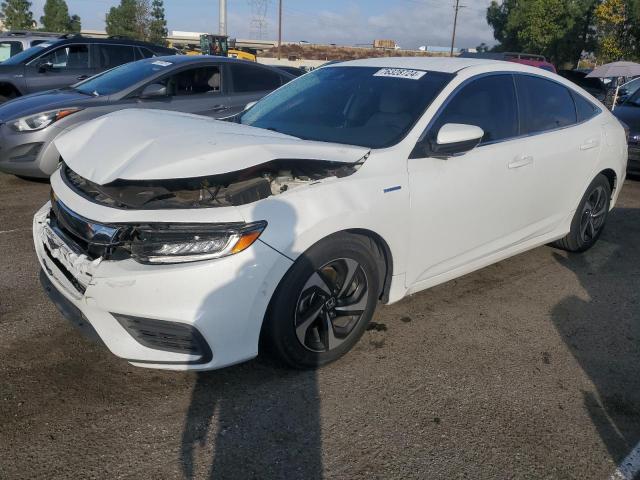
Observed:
{"x":41,"y":120}
{"x":179,"y":243}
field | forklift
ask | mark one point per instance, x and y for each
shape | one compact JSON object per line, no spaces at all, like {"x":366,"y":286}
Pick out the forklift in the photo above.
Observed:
{"x":223,"y":46}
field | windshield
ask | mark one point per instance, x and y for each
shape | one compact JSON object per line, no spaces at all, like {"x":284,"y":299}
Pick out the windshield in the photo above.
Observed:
{"x":119,"y":78}
{"x":365,"y":106}
{"x":28,"y":54}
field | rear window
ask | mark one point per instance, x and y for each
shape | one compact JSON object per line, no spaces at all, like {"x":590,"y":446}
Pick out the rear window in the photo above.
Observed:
{"x":248,"y":78}
{"x":544,"y":104}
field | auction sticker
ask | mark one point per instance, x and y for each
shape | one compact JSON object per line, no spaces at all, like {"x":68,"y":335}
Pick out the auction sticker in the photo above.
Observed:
{"x":400,"y":73}
{"x":161,"y":63}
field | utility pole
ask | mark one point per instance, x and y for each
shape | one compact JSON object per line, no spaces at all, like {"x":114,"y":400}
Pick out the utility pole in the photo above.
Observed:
{"x":223,"y":17}
{"x":279,"y":28}
{"x":455,"y":24}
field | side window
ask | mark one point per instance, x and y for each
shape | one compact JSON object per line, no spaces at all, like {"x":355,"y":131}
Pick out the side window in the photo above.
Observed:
{"x":544,"y":105}
{"x":248,"y":78}
{"x":115,"y":55}
{"x":487,"y":102}
{"x":144,"y":53}
{"x":194,"y":81}
{"x":37,"y":42}
{"x":584,"y":108}
{"x":9,"y":49}
{"x":71,"y":56}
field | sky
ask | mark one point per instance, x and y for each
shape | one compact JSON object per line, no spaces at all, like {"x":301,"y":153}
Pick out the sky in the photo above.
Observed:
{"x":411,"y":23}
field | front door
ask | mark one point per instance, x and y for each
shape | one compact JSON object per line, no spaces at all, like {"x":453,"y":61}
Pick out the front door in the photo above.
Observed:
{"x":59,"y":68}
{"x":464,"y":208}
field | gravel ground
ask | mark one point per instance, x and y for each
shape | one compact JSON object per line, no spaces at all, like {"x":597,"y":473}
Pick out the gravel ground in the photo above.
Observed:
{"x":527,"y":369}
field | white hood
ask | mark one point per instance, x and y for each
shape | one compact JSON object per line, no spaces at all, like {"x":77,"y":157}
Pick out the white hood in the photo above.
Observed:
{"x":136,"y":144}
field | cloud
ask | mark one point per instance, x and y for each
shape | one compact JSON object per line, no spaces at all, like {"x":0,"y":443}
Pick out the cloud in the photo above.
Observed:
{"x":411,"y":24}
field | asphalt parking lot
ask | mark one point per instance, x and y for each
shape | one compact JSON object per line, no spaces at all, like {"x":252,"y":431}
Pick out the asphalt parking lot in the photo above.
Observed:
{"x":527,"y":369}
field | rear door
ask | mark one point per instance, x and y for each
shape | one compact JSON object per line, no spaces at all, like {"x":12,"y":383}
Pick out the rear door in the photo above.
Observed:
{"x":250,"y":82}
{"x":60,"y":67}
{"x":563,"y":142}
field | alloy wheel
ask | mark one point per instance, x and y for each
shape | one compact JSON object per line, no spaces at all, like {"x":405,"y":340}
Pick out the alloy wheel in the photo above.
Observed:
{"x":593,"y":215}
{"x":331,"y":304}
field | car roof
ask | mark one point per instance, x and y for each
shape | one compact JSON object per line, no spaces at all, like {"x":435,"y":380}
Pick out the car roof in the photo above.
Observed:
{"x":184,"y":59}
{"x":110,"y":40}
{"x":435,"y":64}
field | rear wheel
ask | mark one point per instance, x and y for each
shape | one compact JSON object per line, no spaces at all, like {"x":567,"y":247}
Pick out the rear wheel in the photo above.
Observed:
{"x":589,"y":219}
{"x":324,"y":303}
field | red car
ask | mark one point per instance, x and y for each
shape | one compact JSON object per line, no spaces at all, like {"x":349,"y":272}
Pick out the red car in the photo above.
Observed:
{"x":524,"y":58}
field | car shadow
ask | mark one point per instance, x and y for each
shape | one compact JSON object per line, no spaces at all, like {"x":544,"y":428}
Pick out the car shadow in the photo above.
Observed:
{"x":602,"y":329}
{"x":254,"y":420}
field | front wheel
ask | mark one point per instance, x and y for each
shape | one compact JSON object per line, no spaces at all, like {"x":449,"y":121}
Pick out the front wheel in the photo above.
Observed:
{"x":589,"y":219}
{"x":324,"y":303}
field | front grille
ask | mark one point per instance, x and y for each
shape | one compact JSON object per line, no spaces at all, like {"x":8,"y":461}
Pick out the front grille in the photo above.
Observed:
{"x":91,"y":238}
{"x":68,"y":275}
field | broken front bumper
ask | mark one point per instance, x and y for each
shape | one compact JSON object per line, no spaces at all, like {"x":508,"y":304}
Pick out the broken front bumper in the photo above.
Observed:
{"x":213,"y":310}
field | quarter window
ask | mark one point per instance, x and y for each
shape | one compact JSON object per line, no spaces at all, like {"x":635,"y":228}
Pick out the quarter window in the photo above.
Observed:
{"x":544,"y":105}
{"x":487,"y":102}
{"x":247,"y":78}
{"x":584,"y":108}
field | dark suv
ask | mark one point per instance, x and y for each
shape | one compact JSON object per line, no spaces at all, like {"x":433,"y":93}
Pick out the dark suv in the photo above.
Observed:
{"x":62,"y":62}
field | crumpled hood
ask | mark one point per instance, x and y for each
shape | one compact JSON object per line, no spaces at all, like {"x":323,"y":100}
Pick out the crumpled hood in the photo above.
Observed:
{"x":139,"y":144}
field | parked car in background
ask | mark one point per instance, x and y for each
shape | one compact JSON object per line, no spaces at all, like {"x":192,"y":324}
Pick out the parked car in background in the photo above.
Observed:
{"x":188,"y":242}
{"x":16,"y":41}
{"x":629,"y":113}
{"x":295,"y":71}
{"x":594,"y":86}
{"x":63,"y":62}
{"x":204,"y":85}
{"x":529,"y":59}
{"x":628,"y":89}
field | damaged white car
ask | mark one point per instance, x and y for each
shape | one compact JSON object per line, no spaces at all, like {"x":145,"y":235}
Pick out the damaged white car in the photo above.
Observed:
{"x":191,"y":243}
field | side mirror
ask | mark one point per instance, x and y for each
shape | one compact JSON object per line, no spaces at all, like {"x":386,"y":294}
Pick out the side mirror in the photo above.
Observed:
{"x":155,"y":90}
{"x":249,"y":105}
{"x":452,"y":139}
{"x":45,"y":67}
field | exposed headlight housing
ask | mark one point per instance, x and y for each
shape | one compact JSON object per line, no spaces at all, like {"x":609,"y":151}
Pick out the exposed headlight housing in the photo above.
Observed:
{"x":42,"y":120}
{"x":180,"y":243}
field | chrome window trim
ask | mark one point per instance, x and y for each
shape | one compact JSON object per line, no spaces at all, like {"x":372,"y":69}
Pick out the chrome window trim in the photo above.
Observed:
{"x":513,"y":74}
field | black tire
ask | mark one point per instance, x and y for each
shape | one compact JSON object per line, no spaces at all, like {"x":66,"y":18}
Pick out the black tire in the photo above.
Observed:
{"x":288,"y":333}
{"x":593,"y":209}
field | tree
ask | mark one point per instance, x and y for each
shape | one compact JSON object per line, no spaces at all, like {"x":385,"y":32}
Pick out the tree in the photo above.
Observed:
{"x":558,"y":29}
{"x":158,"y":24}
{"x":614,"y":30}
{"x":75,"y":24}
{"x":482,"y":48}
{"x":17,"y":14}
{"x":129,"y":19}
{"x":56,"y":18}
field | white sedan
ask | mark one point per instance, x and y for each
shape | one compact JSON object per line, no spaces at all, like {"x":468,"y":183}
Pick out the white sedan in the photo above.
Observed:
{"x":191,"y":243}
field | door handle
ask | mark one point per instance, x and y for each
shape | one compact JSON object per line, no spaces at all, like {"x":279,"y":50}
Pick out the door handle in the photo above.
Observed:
{"x":83,"y":77}
{"x":589,"y":144}
{"x":220,"y":108}
{"x":521,"y":161}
